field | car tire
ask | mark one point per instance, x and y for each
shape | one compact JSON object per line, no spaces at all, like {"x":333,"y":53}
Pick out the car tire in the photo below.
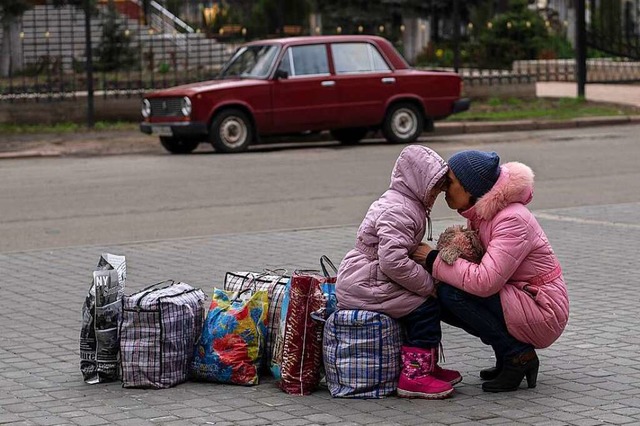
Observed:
{"x":231,"y":131}
{"x":350,"y":136}
{"x":403,"y":123}
{"x":177,"y":145}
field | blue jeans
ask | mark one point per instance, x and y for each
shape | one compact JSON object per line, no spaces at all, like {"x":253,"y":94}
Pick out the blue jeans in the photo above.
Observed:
{"x":482,"y":317}
{"x":422,"y":326}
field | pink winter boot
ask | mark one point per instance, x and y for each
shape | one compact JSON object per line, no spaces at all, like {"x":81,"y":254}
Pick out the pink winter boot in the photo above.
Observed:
{"x":416,"y":378}
{"x":451,"y":376}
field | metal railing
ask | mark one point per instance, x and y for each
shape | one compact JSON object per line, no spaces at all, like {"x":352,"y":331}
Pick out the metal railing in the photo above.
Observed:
{"x":128,"y":57}
{"x":131,"y":57}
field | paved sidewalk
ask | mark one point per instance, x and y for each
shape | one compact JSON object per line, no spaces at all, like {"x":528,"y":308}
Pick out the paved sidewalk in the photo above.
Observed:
{"x":591,"y":376}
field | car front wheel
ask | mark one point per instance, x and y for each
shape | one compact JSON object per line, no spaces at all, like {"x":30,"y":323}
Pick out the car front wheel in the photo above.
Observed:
{"x":231,"y":131}
{"x":403,"y":123}
{"x":178,"y":146}
{"x":349,"y":136}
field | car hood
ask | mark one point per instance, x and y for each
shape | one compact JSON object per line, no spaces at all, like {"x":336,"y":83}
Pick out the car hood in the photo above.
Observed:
{"x":205,"y":86}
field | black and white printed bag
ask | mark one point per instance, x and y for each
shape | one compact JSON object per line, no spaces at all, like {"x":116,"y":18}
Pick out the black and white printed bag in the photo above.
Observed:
{"x":101,"y":315}
{"x":160,"y":325}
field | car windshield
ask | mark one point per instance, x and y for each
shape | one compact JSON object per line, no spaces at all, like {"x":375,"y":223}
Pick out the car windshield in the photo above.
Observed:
{"x":251,"y":62}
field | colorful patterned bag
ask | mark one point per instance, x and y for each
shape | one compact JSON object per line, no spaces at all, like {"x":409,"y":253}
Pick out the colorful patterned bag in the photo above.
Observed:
{"x":159,"y":328}
{"x":232,"y":341}
{"x":361,"y":354}
{"x":274,"y":283}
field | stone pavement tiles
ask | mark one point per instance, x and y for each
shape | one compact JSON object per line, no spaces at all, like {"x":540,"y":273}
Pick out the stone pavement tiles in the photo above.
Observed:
{"x":591,"y":376}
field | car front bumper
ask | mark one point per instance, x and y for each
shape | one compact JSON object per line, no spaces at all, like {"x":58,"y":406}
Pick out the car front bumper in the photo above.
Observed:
{"x":176,"y":129}
{"x":461,"y":105}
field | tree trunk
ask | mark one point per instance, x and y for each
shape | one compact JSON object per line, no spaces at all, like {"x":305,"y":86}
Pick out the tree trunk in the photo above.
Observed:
{"x":11,"y":60}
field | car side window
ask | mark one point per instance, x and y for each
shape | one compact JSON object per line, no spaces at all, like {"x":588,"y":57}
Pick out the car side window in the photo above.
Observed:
{"x":305,"y":60}
{"x":285,"y":63}
{"x":350,"y":58}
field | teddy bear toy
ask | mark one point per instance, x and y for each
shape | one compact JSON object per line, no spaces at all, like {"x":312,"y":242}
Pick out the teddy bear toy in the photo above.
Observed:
{"x":458,"y":241}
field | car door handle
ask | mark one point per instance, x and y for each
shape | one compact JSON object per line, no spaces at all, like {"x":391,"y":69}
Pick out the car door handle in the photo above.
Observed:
{"x":328,"y":83}
{"x":389,"y":80}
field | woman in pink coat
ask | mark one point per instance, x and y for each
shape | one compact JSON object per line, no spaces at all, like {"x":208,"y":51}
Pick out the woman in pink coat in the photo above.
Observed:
{"x":515,"y":299}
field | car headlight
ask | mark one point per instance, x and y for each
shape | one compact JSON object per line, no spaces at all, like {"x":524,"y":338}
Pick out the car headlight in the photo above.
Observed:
{"x":186,"y":106}
{"x":146,"y":108}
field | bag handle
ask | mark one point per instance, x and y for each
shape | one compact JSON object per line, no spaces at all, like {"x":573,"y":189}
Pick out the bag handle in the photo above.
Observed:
{"x":157,"y":284}
{"x":307,"y":272}
{"x":239,"y":293}
{"x":319,"y":315}
{"x":151,"y":289}
{"x":278,"y":271}
{"x":324,"y":259}
{"x":251,"y":284}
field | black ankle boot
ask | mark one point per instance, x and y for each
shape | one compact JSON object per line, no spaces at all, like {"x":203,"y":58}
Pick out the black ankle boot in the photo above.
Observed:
{"x":513,"y":371}
{"x":491,"y":372}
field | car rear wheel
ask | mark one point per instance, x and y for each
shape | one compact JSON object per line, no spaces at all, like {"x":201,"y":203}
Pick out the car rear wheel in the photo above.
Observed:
{"x":349,"y":136}
{"x":178,"y":146}
{"x":403,"y":123}
{"x":231,"y":131}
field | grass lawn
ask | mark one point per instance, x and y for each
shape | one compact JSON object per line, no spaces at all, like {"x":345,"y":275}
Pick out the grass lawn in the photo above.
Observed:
{"x":496,"y":109}
{"x":493,"y":109}
{"x":65,"y":127}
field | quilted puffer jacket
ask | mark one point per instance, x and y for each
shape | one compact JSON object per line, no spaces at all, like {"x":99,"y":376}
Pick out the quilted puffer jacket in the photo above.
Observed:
{"x":378,"y":274}
{"x":519,"y":262}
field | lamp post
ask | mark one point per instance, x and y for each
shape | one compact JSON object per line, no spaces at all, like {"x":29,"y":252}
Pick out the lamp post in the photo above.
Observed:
{"x":89,"y":64}
{"x":456,"y":35}
{"x":581,"y":48}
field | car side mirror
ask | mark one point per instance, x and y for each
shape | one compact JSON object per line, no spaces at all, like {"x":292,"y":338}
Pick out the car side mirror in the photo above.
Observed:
{"x":281,"y":74}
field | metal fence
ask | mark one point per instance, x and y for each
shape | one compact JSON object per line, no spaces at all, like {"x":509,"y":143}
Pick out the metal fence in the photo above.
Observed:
{"x":129,"y":56}
{"x":135,"y":52}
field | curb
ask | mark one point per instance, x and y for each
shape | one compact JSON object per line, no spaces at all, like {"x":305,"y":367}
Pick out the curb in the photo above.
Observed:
{"x":461,"y":127}
{"x":441,"y":129}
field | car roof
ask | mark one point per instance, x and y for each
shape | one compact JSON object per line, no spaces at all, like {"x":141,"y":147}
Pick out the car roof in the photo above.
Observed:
{"x":318,"y":39}
{"x":385,"y":45}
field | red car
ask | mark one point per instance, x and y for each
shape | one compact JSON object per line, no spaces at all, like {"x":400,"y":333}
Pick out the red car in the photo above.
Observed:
{"x":346,"y":84}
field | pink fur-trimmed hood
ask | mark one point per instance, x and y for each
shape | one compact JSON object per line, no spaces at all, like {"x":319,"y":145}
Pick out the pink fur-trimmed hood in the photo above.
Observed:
{"x":515,"y":185}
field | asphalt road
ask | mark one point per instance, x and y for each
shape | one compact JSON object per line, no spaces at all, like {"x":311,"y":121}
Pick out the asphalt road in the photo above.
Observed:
{"x":59,"y":202}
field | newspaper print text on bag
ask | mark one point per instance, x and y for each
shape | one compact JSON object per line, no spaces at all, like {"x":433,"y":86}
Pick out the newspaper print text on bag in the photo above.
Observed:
{"x":101,"y":315}
{"x":161,"y":324}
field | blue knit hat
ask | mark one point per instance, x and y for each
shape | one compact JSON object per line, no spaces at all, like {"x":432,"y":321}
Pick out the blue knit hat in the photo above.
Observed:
{"x":477,"y":171}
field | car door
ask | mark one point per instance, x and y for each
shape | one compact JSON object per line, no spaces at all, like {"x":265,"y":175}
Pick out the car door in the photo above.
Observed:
{"x":306,"y":99}
{"x":365,"y":82}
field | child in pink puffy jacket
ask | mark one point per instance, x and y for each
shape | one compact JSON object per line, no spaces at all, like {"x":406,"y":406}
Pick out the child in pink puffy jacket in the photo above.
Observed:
{"x":380,"y":275}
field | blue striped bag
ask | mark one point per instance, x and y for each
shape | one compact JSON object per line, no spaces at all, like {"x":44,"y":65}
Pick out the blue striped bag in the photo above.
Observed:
{"x":361,"y":354}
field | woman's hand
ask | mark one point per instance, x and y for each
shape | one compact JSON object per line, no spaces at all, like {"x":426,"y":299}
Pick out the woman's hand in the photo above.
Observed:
{"x":420,"y":255}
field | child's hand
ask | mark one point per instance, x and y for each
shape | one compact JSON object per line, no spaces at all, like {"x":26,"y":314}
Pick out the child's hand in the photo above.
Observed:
{"x":420,"y":255}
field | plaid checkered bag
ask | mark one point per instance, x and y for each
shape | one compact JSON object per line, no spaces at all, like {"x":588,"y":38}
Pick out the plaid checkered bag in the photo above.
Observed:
{"x":274,"y":282}
{"x":361,"y":354}
{"x":159,"y":329}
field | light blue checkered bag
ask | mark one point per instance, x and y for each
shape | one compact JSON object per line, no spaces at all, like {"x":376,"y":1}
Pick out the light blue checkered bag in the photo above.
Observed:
{"x":361,"y":354}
